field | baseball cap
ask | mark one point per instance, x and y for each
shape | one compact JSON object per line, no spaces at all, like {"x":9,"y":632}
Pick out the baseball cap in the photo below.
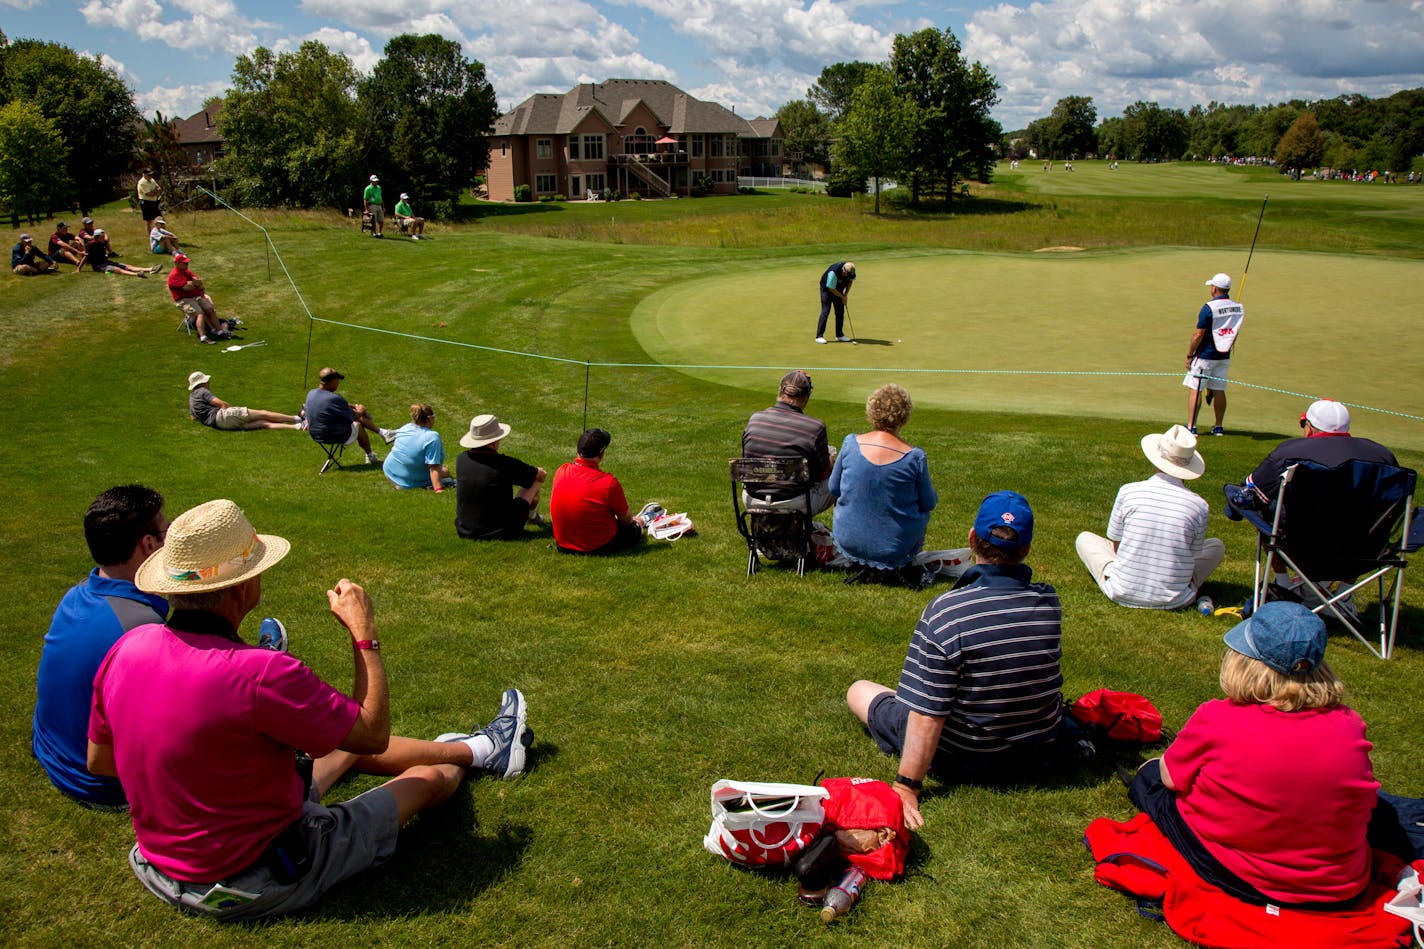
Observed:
{"x":1221,"y":281}
{"x":374,"y":178}
{"x":181,"y":258}
{"x":98,"y":232}
{"x":796,"y":384}
{"x":1327,"y":415}
{"x":328,"y":374}
{"x":404,"y":196}
{"x":25,"y":238}
{"x":88,"y":220}
{"x":61,"y":226}
{"x":1005,"y":509}
{"x":1284,"y":635}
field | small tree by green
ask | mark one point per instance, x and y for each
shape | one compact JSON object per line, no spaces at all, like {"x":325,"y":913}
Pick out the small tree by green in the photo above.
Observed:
{"x":1303,"y":145}
{"x":876,"y":133}
{"x":32,"y":161}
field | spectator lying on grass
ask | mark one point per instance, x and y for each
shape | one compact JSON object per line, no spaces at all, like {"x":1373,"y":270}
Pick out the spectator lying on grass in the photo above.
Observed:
{"x":213,"y":412}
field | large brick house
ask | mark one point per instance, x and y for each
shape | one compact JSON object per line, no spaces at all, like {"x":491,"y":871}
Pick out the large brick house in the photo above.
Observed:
{"x":198,"y":135}
{"x":628,"y":135}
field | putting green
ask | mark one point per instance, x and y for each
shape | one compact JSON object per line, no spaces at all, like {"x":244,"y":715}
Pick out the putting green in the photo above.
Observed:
{"x":1101,"y":333}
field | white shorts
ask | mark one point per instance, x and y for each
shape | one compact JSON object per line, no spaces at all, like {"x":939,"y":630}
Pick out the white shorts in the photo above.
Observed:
{"x":1211,"y":371}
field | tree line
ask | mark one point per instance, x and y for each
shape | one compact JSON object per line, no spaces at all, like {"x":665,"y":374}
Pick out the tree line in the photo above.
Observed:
{"x":1348,"y":131}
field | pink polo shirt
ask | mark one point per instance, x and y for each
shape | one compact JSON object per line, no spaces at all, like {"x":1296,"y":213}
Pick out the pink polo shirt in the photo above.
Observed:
{"x":203,"y":731}
{"x":1282,"y":799}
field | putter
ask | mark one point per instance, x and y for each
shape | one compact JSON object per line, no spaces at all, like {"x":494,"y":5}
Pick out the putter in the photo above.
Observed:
{"x":851,"y":323}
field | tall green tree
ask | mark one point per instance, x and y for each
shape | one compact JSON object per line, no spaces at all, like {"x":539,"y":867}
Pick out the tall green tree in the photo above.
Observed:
{"x":289,"y":127}
{"x":1152,"y":133}
{"x":427,"y":112}
{"x":33,"y":158}
{"x":158,"y":149}
{"x":875,"y":136}
{"x":807,"y":132}
{"x":1303,"y":145}
{"x":955,"y":137}
{"x":87,"y":102}
{"x":835,"y":86}
{"x":1071,"y":125}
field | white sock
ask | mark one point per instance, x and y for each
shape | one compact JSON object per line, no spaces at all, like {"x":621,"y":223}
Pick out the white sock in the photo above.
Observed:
{"x":481,"y":747}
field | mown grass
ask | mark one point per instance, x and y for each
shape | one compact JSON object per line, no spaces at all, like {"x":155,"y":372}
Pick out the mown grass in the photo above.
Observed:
{"x":649,"y":676}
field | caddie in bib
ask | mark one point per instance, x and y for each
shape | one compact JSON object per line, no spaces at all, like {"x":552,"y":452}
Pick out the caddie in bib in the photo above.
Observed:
{"x":1209,"y":353}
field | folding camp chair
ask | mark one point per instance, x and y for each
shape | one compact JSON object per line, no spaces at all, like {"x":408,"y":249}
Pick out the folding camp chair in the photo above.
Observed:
{"x":1343,"y":526}
{"x":333,"y":456}
{"x":782,"y":534}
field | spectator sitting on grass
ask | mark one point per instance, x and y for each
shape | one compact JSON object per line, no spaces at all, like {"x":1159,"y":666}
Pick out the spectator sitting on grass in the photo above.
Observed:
{"x":192,"y":298}
{"x":484,"y":478}
{"x":203,"y":731}
{"x":66,"y":246}
{"x":162,"y":240}
{"x":587,"y":506}
{"x":331,"y":420}
{"x":980,"y":692}
{"x":406,"y":218}
{"x":96,"y":255}
{"x":122,"y":527}
{"x":213,"y":412}
{"x":27,"y":260}
{"x":417,"y":458}
{"x":88,"y":232}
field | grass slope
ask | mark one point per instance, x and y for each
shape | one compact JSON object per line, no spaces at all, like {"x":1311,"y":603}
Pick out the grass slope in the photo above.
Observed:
{"x":649,"y":676}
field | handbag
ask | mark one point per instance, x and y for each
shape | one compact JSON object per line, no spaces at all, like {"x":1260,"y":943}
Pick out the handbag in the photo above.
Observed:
{"x":1118,"y":716}
{"x":760,"y":824}
{"x":671,"y":527}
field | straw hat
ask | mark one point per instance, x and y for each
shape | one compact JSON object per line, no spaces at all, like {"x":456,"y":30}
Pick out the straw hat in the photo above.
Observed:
{"x":210,"y":547}
{"x":483,"y":430}
{"x":1175,"y":453}
{"x":196,"y":379}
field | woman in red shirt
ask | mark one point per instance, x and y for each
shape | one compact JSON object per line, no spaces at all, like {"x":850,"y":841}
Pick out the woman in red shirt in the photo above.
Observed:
{"x":1268,"y":793}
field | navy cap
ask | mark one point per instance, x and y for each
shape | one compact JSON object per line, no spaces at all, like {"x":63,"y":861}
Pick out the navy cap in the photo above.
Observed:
{"x":1005,"y":509}
{"x":1284,"y":635}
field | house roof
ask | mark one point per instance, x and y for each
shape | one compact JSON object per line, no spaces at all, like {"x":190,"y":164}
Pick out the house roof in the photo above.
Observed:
{"x":201,"y":127}
{"x":614,"y":100}
{"x":766,"y":128}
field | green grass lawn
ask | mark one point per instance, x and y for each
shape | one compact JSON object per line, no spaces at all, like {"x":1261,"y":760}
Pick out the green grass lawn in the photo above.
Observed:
{"x":649,"y":676}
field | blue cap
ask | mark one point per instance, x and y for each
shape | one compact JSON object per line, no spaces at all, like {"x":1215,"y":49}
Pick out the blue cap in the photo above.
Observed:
{"x":1005,"y":509}
{"x":1285,"y":636}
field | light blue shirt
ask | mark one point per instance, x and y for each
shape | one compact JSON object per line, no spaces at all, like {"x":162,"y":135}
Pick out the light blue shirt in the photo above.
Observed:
{"x":881,"y":510}
{"x":414,"y":451}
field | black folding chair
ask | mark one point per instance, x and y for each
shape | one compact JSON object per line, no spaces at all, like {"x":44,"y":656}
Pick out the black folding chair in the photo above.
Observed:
{"x":333,"y":456}
{"x":1343,"y":526}
{"x":782,"y":534}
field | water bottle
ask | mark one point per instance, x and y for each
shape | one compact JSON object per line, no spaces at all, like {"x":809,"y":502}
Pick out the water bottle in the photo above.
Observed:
{"x":1205,"y":607}
{"x":843,"y":895}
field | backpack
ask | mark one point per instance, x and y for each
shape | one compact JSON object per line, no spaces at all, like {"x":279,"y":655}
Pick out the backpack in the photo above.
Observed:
{"x":868,"y":804}
{"x":1118,"y":716}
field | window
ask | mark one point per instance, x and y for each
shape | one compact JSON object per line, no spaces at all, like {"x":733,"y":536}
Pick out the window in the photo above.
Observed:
{"x":593,"y":147}
{"x":503,"y":147}
{"x":544,"y":147}
{"x":576,"y":185}
{"x":714,"y":147}
{"x":573,"y":148}
{"x":545,"y":184}
{"x":593,"y":182}
{"x":776,"y":147}
{"x":696,"y":146}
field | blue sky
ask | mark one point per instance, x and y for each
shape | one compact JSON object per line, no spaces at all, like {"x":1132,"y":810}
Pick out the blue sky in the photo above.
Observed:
{"x":755,"y":55}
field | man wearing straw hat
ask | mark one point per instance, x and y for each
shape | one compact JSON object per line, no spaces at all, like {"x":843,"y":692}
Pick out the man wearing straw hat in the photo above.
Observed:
{"x":1156,"y":555}
{"x":203,"y":732}
{"x":484,"y":509}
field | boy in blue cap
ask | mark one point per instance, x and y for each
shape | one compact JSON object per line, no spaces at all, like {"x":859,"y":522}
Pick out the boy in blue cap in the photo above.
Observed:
{"x":980,"y":692}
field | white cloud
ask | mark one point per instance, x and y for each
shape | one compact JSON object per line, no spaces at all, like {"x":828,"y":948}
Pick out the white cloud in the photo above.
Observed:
{"x":753,"y":92}
{"x":357,"y":48}
{"x":1179,"y":54}
{"x":21,"y":4}
{"x":177,"y":102}
{"x":213,"y":24}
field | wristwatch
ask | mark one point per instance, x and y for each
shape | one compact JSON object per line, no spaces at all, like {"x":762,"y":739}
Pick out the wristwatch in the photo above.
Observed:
{"x":372,"y":644}
{"x":910,"y":783}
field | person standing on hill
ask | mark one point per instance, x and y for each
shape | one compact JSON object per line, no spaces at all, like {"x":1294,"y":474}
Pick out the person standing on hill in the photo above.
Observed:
{"x":374,"y":205}
{"x":1209,"y":353}
{"x":835,"y":287}
{"x":150,"y":193}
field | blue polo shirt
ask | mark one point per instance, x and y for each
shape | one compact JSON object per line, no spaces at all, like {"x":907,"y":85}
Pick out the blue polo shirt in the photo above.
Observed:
{"x":329,"y":417}
{"x":90,"y":619}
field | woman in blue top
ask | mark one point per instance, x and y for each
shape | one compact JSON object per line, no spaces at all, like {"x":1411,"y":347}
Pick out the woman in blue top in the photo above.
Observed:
{"x":417,"y":458}
{"x":882,"y":487}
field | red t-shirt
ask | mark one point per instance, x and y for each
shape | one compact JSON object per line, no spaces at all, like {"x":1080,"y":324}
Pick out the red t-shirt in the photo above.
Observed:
{"x":1282,"y":799}
{"x":178,"y":276}
{"x":585,"y":504}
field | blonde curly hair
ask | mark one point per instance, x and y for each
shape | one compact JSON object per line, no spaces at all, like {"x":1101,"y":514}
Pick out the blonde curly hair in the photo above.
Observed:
{"x":1250,"y":681}
{"x":889,"y":408}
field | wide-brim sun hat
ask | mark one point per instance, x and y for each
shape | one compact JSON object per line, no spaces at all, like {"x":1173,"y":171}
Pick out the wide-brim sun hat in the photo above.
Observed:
{"x":1174,"y":452}
{"x":196,"y":379}
{"x":483,"y":430}
{"x":209,"y":547}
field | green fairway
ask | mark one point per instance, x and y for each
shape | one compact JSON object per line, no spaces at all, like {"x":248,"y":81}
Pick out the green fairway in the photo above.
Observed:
{"x":650,"y":676}
{"x":1098,"y":334}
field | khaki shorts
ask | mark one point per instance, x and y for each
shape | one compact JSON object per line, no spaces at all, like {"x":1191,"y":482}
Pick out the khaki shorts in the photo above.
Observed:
{"x":196,"y":306}
{"x":231,"y":418}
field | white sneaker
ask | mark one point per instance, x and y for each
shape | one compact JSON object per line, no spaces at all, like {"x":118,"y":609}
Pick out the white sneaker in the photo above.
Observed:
{"x":388,"y":434}
{"x":821,"y":340}
{"x":842,"y":339}
{"x":372,"y":458}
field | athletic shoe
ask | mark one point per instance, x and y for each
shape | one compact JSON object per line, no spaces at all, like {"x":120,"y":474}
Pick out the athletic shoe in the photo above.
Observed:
{"x":1193,"y":429}
{"x":272,"y":635}
{"x":372,"y":458}
{"x":511,"y":736}
{"x":143,"y":274}
{"x":1218,"y":430}
{"x":821,"y":340}
{"x":155,"y":268}
{"x":537,"y":519}
{"x":388,"y":434}
{"x":301,"y":424}
{"x":842,"y":339}
{"x":651,"y":512}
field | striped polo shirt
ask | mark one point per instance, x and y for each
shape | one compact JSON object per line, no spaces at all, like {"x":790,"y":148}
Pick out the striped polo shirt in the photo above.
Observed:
{"x":1160,"y":526}
{"x":784,"y":431}
{"x":984,"y":657}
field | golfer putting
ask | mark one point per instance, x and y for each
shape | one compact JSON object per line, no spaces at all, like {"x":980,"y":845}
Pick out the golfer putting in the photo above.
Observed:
{"x":835,"y":284}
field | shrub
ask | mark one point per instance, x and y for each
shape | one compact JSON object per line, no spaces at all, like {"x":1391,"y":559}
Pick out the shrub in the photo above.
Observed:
{"x":635,"y":196}
{"x":522,"y":193}
{"x":545,"y":198}
{"x":442,"y":210}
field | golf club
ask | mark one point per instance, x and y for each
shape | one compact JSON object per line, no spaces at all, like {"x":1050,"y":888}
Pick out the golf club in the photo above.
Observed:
{"x":851,"y":323}
{"x":1241,"y":289}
